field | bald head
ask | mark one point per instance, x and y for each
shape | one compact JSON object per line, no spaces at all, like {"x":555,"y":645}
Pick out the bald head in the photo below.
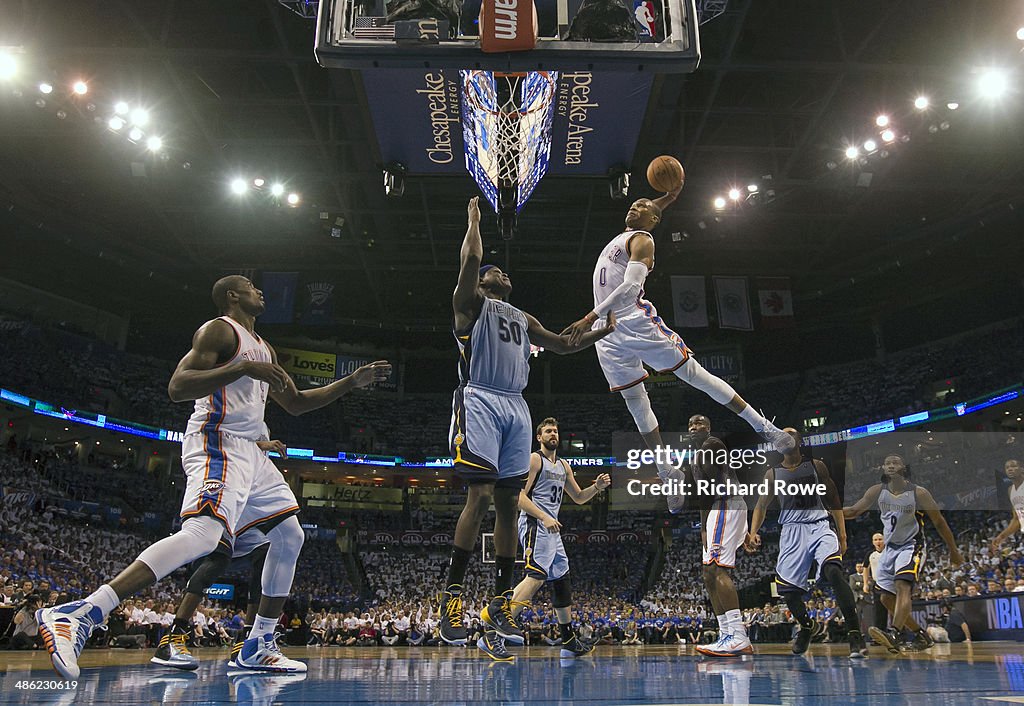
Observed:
{"x":231,"y":283}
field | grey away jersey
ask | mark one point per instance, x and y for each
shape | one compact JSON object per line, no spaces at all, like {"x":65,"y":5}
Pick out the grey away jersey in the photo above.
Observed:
{"x":496,"y":351}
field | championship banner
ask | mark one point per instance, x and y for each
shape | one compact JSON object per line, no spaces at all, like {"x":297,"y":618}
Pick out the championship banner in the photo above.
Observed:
{"x":775,"y":297}
{"x":689,"y":301}
{"x":733,"y":303}
{"x":279,"y":294}
{"x":311,"y":367}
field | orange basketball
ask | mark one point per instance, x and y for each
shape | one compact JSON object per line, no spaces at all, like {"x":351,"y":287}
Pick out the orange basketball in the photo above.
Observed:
{"x":665,"y":174}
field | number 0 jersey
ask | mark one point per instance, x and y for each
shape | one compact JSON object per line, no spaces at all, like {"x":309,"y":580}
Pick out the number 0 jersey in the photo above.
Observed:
{"x":548,"y":486}
{"x":610,"y":272}
{"x":495,"y":352}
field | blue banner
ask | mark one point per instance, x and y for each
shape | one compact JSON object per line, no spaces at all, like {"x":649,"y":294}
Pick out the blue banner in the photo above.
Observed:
{"x":279,"y":294}
{"x":221,"y":592}
{"x":318,"y":302}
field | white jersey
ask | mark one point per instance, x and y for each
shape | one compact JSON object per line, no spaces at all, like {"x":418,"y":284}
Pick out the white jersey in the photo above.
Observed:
{"x":610,"y":272}
{"x":1017,"y":501}
{"x":236,"y":409}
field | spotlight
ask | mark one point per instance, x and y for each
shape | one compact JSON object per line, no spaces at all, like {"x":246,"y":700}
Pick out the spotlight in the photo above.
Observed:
{"x":135,"y":134}
{"x":870,"y":146}
{"x":993,"y":83}
{"x":238,"y":186}
{"x":752,"y":188}
{"x":922,"y":102}
{"x":140,"y":117}
{"x":719,"y":203}
{"x":888,"y":135}
{"x":852,"y":152}
{"x":154,"y":144}
{"x":45,"y":88}
{"x":734,"y":194}
{"x":61,"y":114}
{"x":952,"y":105}
{"x":293,"y":199}
{"x":1020,"y":34}
{"x":8,"y":66}
{"x":115,"y":123}
{"x":121,"y":108}
{"x":277,"y":189}
{"x":80,"y":88}
{"x":882,"y":121}
{"x":258,"y":182}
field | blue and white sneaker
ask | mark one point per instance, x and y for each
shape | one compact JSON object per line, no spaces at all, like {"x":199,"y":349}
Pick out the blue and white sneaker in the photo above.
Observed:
{"x":677,"y":500}
{"x":727,"y":646}
{"x":64,"y":629}
{"x":261,"y":654}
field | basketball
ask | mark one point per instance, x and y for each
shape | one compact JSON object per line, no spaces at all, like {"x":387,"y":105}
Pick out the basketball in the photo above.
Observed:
{"x":665,"y":174}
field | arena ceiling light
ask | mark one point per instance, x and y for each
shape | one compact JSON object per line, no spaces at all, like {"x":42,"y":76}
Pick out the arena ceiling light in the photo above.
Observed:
{"x":752,"y":188}
{"x":140,"y":117}
{"x":1020,"y":34}
{"x":719,"y":203}
{"x":952,"y":105}
{"x":154,"y":144}
{"x":922,"y":102}
{"x":258,"y":182}
{"x":882,"y":121}
{"x":734,"y":194}
{"x":852,"y":152}
{"x":8,"y":66}
{"x":121,"y":108}
{"x":293,"y":199}
{"x":238,"y":186}
{"x":46,"y":88}
{"x":870,"y":146}
{"x":993,"y":83}
{"x":277,"y":189}
{"x":80,"y":88}
{"x":888,"y":135}
{"x":115,"y":123}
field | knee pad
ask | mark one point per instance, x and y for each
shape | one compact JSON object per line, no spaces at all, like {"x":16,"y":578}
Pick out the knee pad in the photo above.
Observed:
{"x":258,"y":557}
{"x":206,"y":574}
{"x":287,"y":537}
{"x":279,"y":569}
{"x":562,"y":590}
{"x":639,"y":405}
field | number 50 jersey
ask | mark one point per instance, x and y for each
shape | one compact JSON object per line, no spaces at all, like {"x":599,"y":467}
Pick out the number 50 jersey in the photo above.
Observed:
{"x":495,"y":353}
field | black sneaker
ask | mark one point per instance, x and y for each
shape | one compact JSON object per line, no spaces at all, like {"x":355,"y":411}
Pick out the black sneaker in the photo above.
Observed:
{"x":804,"y":637}
{"x":493,"y":645}
{"x":498,"y":616}
{"x":574,"y":647}
{"x":452,"y":629}
{"x":921,"y":642}
{"x":858,"y":648}
{"x":173,"y":651}
{"x":889,"y":639}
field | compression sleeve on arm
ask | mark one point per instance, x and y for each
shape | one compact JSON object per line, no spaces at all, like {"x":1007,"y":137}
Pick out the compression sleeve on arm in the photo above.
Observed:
{"x":632,"y":284}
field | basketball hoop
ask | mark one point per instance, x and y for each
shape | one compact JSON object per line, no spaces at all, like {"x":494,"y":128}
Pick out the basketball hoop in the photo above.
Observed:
{"x":507,"y":127}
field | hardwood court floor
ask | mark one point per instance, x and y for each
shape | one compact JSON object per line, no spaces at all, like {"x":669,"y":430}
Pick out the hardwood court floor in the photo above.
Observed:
{"x":987,"y":673}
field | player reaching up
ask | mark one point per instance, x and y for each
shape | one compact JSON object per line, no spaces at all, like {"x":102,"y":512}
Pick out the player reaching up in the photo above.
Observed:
{"x":490,"y":430}
{"x":903,"y":506}
{"x":642,"y":338}
{"x":231,"y":483}
{"x":1015,"y":472}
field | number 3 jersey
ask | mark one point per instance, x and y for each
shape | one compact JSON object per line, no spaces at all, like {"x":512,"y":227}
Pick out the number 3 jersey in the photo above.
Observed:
{"x":495,"y":353}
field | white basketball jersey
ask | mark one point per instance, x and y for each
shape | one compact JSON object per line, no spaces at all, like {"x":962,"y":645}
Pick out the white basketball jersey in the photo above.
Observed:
{"x":238,"y":408}
{"x":610,"y":272}
{"x":1017,"y":501}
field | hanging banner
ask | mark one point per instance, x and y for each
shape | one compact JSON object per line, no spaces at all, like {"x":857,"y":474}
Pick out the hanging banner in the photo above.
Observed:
{"x":317,"y":296}
{"x":279,"y":295}
{"x":733,"y":303}
{"x":775,"y":297}
{"x":689,"y":301}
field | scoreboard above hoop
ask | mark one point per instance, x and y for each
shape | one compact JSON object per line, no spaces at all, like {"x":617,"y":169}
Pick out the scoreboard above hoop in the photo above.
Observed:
{"x":656,"y":36}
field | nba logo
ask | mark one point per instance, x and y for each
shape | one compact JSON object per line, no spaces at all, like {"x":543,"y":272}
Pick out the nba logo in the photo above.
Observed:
{"x":643,"y":11}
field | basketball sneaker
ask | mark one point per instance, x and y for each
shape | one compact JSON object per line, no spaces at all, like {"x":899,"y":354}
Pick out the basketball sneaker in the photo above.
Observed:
{"x":498,"y":616}
{"x":261,"y":654}
{"x":922,"y":641}
{"x":782,"y":441}
{"x":493,"y":645}
{"x":804,"y":637}
{"x":260,"y":689}
{"x":727,"y":646}
{"x":676,"y":500}
{"x":65,"y":629}
{"x":858,"y":648}
{"x":452,"y":629}
{"x":889,"y":639}
{"x":574,"y":647}
{"x":173,"y":650}
{"x":237,"y":647}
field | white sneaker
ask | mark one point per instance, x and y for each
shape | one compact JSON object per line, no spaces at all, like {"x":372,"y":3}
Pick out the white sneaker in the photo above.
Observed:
{"x":64,"y":629}
{"x":260,"y":689}
{"x":728,"y":646}
{"x":676,"y":501}
{"x":781,"y":440}
{"x":262,"y":654}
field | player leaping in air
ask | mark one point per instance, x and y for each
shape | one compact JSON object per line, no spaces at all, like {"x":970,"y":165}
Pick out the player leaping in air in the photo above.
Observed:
{"x":490,"y":431}
{"x":642,"y":338}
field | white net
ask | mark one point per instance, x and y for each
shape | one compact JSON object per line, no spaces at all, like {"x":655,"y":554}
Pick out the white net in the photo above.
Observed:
{"x":507,"y":128}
